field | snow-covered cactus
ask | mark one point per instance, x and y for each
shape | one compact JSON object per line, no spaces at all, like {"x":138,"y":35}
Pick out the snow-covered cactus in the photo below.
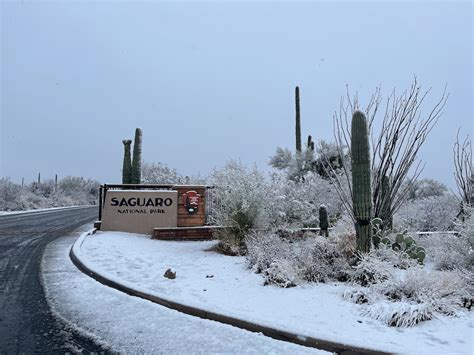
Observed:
{"x":310,"y":143}
{"x":361,"y":190}
{"x":127,"y":162}
{"x":323,"y":221}
{"x":407,"y":245}
{"x":137,"y":158}
{"x":377,"y":232}
{"x":298,"y":120}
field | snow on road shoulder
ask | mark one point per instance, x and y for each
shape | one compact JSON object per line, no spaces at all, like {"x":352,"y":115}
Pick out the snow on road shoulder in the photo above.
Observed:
{"x":52,"y":209}
{"x":131,"y":325}
{"x":223,"y":284}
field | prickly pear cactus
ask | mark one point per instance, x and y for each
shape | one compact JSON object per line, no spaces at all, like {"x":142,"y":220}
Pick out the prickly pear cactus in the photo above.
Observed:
{"x":406,"y":244}
{"x":377,"y":232}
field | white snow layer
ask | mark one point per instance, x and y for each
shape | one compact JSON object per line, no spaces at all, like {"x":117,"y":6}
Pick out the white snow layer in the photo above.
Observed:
{"x":131,"y":325}
{"x":224,"y":284}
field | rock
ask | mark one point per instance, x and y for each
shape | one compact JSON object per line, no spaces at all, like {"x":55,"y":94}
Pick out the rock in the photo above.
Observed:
{"x":170,"y":274}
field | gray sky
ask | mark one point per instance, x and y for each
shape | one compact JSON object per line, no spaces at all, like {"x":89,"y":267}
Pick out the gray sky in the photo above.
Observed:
{"x":207,"y":81}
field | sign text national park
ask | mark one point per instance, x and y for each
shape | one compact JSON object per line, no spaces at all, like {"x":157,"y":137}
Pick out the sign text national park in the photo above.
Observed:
{"x":139,"y":211}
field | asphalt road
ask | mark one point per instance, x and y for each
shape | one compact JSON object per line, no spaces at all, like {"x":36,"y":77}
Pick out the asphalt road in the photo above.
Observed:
{"x":26,"y":323}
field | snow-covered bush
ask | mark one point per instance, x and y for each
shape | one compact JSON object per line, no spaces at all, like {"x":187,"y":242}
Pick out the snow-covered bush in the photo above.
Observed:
{"x":447,"y":251}
{"x":344,"y":234}
{"x":70,"y":191}
{"x":323,"y":161}
{"x":9,"y":195}
{"x":82,"y":191}
{"x":244,"y":198}
{"x":158,"y":173}
{"x":408,"y":297}
{"x":424,"y":188}
{"x":377,"y":265}
{"x":289,"y":262}
{"x":435,"y":213}
{"x":296,"y":203}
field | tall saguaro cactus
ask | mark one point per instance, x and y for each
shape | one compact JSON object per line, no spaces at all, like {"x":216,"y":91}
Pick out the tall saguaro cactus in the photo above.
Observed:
{"x":137,"y":157}
{"x":127,"y":162}
{"x":298,"y":120}
{"x":361,"y":189}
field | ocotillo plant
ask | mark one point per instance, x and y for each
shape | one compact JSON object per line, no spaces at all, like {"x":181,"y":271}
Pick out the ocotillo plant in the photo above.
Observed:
{"x":386,"y":214}
{"x":127,"y":162}
{"x":323,"y":221}
{"x":137,"y":158}
{"x":361,"y":193}
{"x":298,"y":120}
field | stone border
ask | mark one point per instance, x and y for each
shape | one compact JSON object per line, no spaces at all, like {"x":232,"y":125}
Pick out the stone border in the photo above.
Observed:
{"x":197,"y":312}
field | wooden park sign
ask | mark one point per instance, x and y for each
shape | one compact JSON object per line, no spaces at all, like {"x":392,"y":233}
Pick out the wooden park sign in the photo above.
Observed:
{"x":138,"y":211}
{"x":162,"y":211}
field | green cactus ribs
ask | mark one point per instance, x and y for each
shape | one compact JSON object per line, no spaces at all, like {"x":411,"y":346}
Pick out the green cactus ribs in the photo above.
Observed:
{"x":323,"y":221}
{"x":127,"y":162}
{"x":361,"y":179}
{"x":297,"y":119}
{"x":137,"y":158}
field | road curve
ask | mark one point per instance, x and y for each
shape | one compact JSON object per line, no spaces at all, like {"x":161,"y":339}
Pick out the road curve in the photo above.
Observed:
{"x":26,"y":323}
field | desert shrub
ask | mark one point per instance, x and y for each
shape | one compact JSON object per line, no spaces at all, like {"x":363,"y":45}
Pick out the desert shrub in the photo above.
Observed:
{"x":408,"y":297}
{"x":447,"y":251}
{"x":289,"y":262}
{"x":296,"y":203}
{"x":9,"y":195}
{"x":424,"y":188}
{"x":378,"y":265}
{"x":71,"y":191}
{"x":344,"y":234}
{"x":434,"y":213}
{"x":81,"y":191}
{"x":244,"y":198}
{"x":158,"y":173}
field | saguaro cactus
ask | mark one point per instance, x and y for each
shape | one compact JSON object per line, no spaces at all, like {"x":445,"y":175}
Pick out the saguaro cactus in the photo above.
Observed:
{"x":323,"y":221}
{"x":361,"y":193}
{"x":310,"y":143}
{"x":298,"y":120}
{"x":137,"y":158}
{"x":127,"y":162}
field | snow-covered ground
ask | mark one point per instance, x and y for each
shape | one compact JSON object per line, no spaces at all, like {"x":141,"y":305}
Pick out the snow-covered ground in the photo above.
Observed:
{"x":130,"y":325}
{"x":224,"y":284}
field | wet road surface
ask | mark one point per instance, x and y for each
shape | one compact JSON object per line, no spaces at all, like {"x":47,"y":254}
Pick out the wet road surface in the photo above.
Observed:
{"x":26,"y":323}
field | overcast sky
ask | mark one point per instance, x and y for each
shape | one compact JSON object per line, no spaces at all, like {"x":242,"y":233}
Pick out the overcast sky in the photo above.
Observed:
{"x":210,"y":81}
